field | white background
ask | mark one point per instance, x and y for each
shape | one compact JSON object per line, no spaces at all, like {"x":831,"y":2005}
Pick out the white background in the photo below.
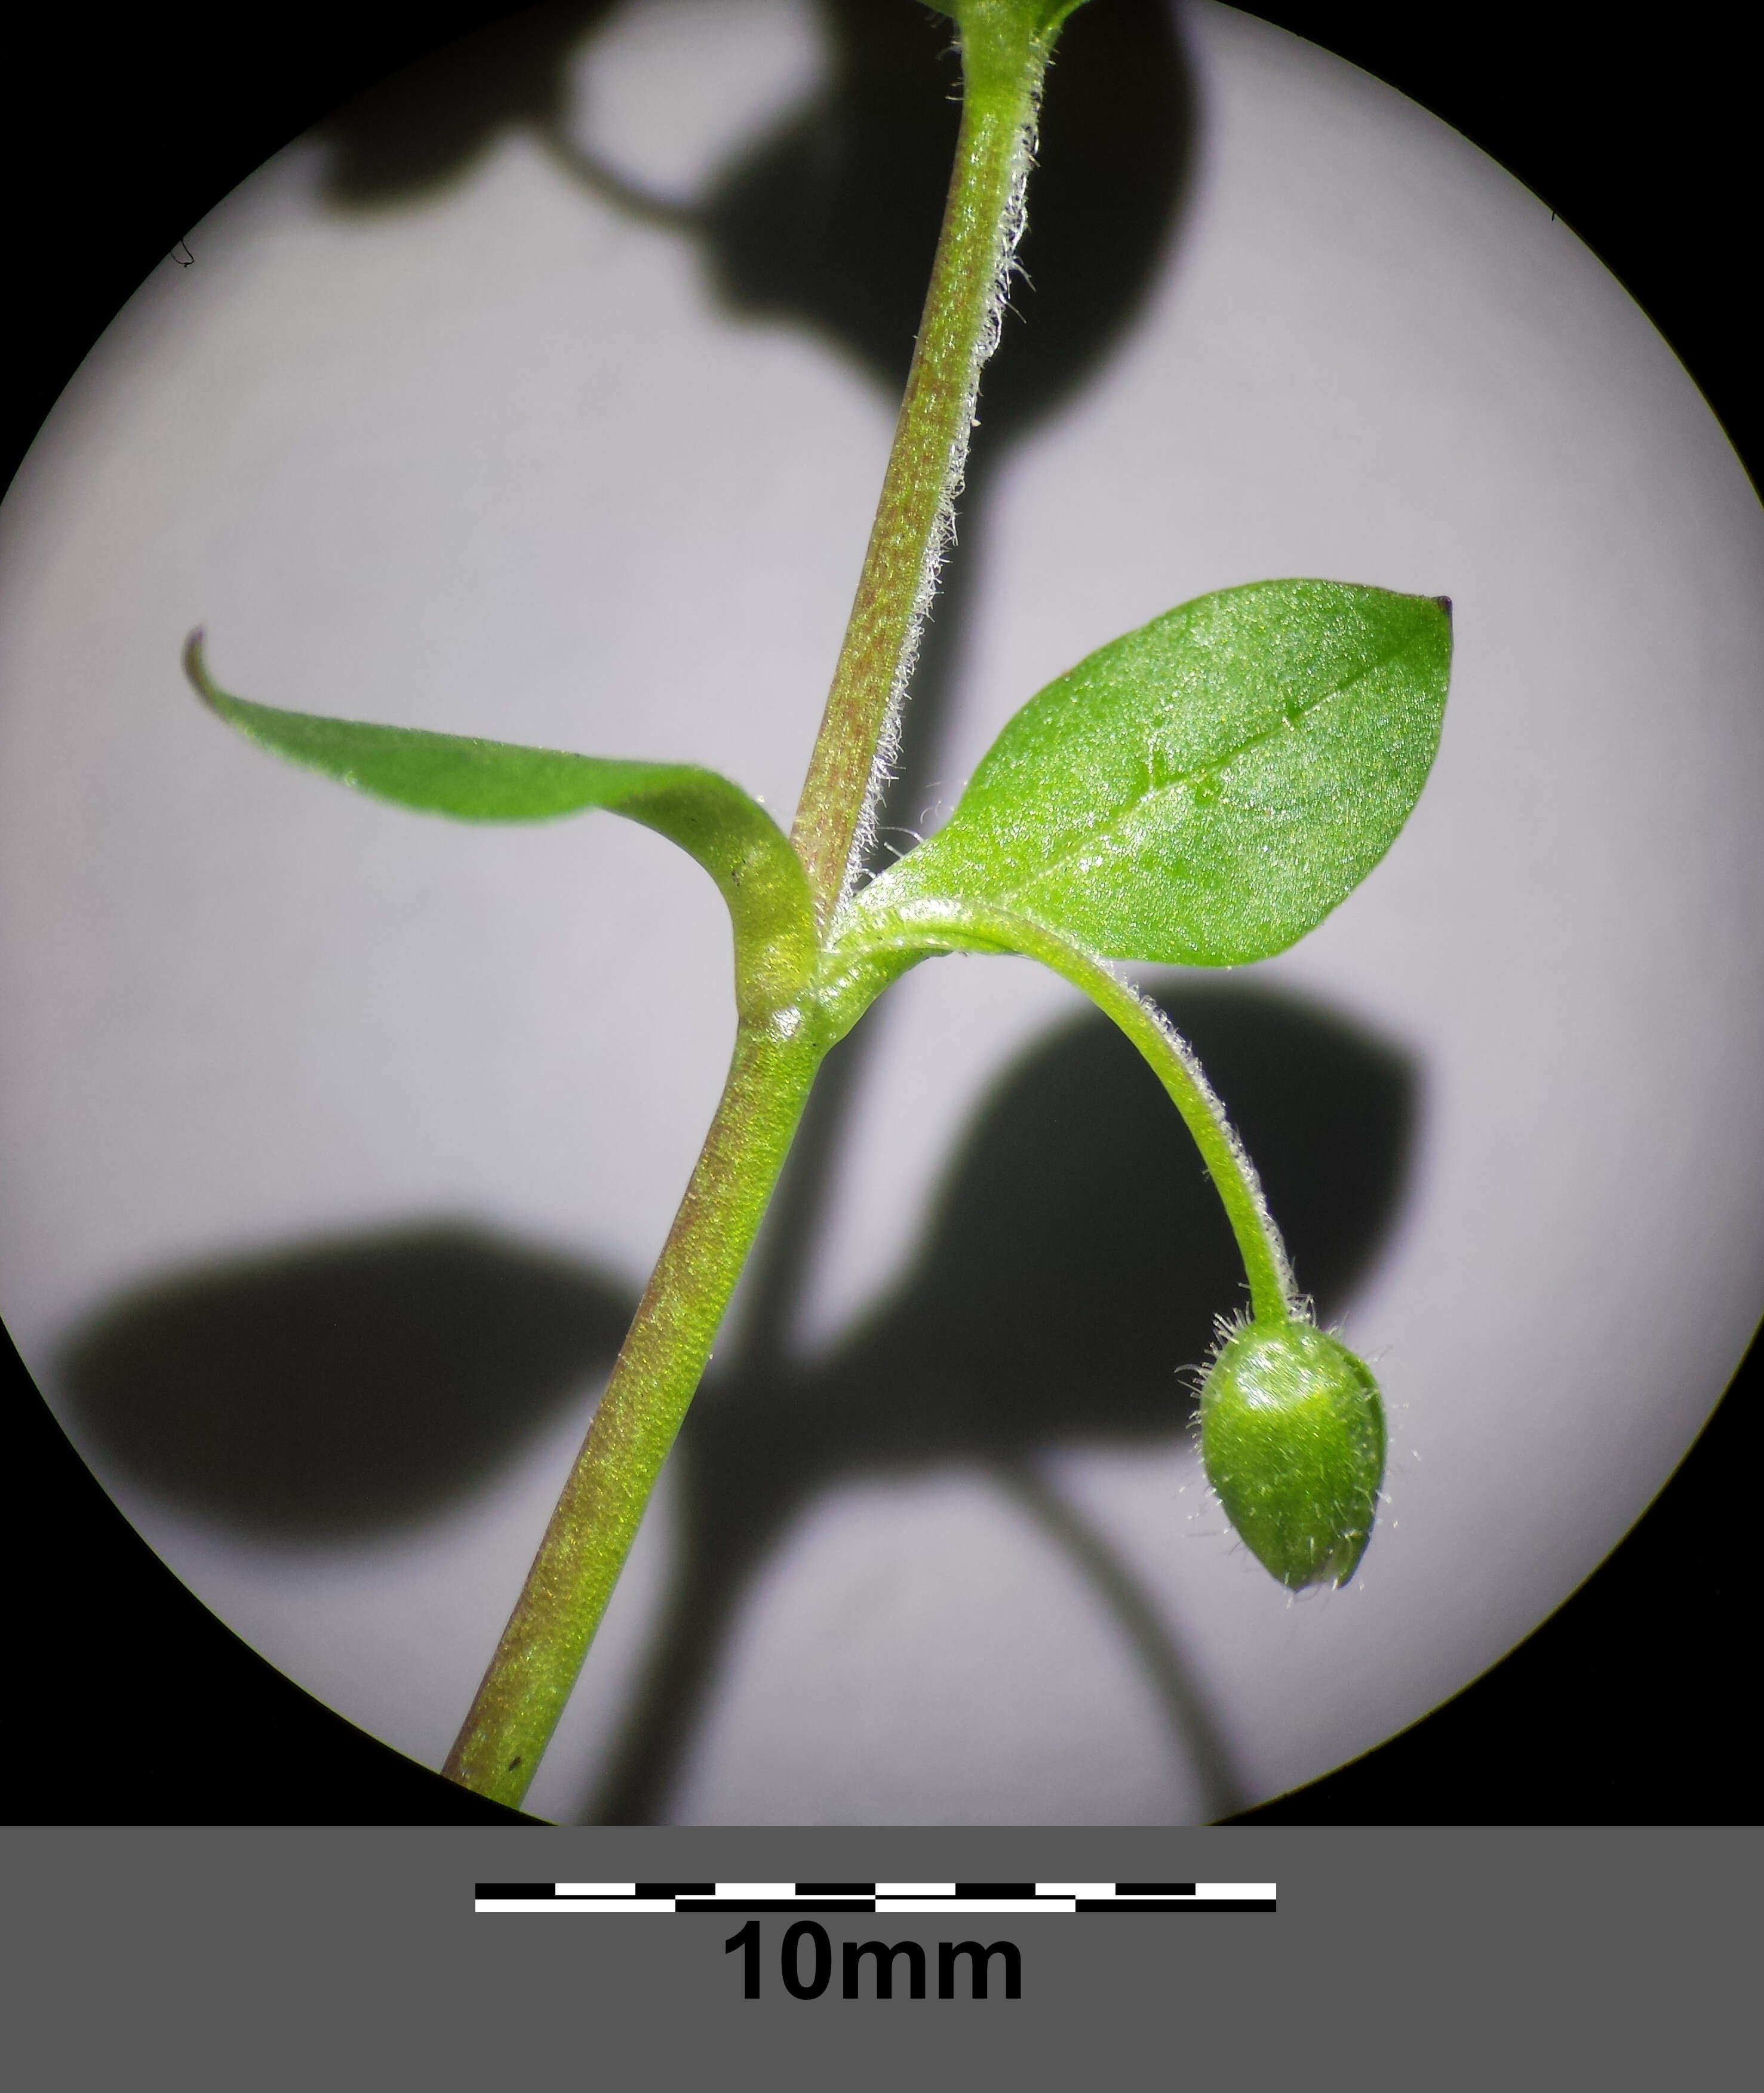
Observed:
{"x":501,"y":463}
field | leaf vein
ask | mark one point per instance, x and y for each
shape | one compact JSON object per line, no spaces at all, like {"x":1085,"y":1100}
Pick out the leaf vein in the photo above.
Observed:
{"x":1100,"y":832}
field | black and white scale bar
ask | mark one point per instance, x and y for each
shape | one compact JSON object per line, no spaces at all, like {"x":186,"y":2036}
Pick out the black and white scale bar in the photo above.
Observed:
{"x":810,"y":1897}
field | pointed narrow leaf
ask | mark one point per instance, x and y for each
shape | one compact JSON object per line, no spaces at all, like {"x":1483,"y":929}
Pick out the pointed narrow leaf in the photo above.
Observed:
{"x":730,"y":834}
{"x":1205,"y":790}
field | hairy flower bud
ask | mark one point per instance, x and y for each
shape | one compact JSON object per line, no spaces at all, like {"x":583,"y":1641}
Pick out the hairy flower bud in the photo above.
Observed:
{"x":1293,"y":1440}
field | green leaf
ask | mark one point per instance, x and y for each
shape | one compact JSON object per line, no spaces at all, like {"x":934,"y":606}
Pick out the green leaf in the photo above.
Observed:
{"x":1205,"y":790}
{"x":730,"y":834}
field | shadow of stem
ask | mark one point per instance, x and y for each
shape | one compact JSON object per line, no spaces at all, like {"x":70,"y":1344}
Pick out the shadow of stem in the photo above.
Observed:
{"x":1075,"y":1260}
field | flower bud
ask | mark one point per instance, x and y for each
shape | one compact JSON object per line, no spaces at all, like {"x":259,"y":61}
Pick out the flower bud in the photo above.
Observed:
{"x":1292,"y":1437}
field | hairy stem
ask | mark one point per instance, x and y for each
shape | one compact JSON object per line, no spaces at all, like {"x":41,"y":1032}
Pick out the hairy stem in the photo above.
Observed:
{"x":658,"y":1370}
{"x":783,"y":1035}
{"x":859,"y":729}
{"x":924,"y":927}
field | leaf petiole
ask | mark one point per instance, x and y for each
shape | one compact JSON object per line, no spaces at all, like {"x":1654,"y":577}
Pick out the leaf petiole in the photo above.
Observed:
{"x":875,"y":952}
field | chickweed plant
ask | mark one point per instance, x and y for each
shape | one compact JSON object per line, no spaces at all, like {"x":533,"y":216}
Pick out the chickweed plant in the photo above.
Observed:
{"x":1202,"y":791}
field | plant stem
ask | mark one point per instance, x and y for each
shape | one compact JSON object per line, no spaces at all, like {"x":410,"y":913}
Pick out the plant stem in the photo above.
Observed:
{"x":658,"y":1371}
{"x":1173,"y":1062}
{"x":859,"y":729}
{"x":923,"y":927}
{"x":530,"y":1678}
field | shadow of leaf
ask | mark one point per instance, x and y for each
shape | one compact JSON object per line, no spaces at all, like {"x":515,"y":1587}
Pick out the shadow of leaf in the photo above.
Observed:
{"x":1073,"y":1263}
{"x":1076,"y":1257}
{"x":426,"y":128}
{"x":344,"y":1387}
{"x":830,"y":220}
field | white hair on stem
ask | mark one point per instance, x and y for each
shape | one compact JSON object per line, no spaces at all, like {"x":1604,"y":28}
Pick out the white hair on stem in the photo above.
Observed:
{"x":1185,"y":1054}
{"x":942,"y":536}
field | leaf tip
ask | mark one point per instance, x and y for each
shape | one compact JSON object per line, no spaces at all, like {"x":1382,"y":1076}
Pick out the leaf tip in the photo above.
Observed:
{"x":195,"y":668}
{"x":1445,"y":604}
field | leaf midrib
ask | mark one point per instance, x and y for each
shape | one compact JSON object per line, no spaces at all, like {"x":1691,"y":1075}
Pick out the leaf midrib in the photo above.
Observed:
{"x":1122,"y":815}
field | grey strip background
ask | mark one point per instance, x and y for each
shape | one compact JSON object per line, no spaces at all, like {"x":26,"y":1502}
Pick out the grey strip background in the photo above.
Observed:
{"x":267,"y":1959}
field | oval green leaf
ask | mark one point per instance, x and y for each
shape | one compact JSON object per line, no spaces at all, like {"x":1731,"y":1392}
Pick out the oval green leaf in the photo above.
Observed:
{"x":1205,"y":790}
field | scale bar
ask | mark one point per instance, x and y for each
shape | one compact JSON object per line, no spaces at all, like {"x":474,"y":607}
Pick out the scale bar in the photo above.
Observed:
{"x":1065,"y":1898}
